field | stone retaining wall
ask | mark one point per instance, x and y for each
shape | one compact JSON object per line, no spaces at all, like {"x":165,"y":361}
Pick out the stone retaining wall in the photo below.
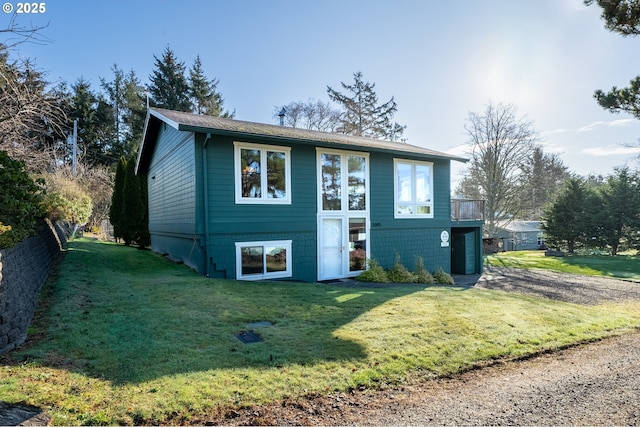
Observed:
{"x":24,"y":268}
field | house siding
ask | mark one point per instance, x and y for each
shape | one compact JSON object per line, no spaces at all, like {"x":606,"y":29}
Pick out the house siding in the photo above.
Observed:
{"x":408,"y":238}
{"x":230,"y":222}
{"x":194,"y":216}
{"x":172,"y":198}
{"x":389,"y":237}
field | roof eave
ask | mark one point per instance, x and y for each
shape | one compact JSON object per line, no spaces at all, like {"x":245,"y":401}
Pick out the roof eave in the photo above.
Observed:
{"x":315,"y":142}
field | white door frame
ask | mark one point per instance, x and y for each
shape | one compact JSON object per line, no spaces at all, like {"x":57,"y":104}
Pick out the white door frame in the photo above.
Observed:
{"x":344,"y":215}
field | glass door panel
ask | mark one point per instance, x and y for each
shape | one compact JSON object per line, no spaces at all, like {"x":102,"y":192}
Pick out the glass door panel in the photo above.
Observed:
{"x":331,"y":182}
{"x":357,"y":244}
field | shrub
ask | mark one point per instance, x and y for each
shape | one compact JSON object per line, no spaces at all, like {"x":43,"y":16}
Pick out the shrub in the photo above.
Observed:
{"x":20,"y":199}
{"x":375,"y":273}
{"x":66,"y":200}
{"x":422,"y":274}
{"x":399,"y":274}
{"x":442,"y":278}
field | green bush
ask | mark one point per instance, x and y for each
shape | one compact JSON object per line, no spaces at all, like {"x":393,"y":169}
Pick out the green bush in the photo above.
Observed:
{"x":66,"y":200}
{"x":20,"y":198}
{"x":399,"y":273}
{"x":442,"y":278}
{"x":375,"y":273}
{"x":422,"y":274}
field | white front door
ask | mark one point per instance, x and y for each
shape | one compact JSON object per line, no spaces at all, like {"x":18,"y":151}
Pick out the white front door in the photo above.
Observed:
{"x":343,"y":213}
{"x":331,"y":249}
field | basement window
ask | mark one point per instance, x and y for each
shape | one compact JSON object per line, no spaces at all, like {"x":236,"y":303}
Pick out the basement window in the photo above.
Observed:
{"x":263,"y":260}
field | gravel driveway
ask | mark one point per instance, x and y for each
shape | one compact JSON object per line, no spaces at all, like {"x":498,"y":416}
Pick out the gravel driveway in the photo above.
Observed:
{"x":575,"y":288}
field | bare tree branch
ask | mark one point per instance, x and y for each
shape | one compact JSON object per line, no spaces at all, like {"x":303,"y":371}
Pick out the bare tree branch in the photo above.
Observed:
{"x":21,"y":34}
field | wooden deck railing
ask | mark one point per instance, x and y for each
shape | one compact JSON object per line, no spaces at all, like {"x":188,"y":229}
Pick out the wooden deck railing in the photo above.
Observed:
{"x":467,"y":210}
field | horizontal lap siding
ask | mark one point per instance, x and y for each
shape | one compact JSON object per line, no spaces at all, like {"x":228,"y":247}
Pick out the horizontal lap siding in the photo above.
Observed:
{"x":230,"y":222}
{"x":172,"y":198}
{"x":411,"y":237}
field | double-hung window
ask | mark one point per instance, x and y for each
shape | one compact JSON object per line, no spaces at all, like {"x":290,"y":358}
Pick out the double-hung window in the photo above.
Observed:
{"x":413,"y":189}
{"x":262,"y":173}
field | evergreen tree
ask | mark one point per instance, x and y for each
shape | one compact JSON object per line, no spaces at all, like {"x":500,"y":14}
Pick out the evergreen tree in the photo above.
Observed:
{"x":565,"y":220}
{"x":143,"y":238}
{"x":129,"y":205}
{"x":132,"y":207}
{"x":205,"y":99}
{"x":620,"y":209}
{"x":128,"y":112}
{"x":362,"y":115}
{"x":116,"y":211}
{"x":20,"y":201}
{"x":622,"y":17}
{"x":168,"y":87}
{"x":135,"y":114}
{"x":543,"y":175}
{"x":96,"y":130}
{"x":114,"y":91}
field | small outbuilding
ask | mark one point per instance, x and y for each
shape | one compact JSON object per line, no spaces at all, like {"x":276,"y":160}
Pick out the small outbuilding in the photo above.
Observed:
{"x":252,"y":201}
{"x":517,"y":235}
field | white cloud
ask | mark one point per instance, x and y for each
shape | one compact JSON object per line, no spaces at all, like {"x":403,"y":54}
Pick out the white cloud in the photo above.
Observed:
{"x":463,"y":150}
{"x":555,"y":149}
{"x":611,"y":123}
{"x":612,"y":150}
{"x":551,"y":132}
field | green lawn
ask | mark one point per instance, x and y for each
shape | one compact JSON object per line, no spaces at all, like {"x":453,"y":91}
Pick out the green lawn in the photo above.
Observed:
{"x":127,"y":337}
{"x":621,"y":266}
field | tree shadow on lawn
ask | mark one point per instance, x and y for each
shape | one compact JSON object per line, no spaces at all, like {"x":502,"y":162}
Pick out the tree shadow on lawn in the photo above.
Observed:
{"x":112,"y":320}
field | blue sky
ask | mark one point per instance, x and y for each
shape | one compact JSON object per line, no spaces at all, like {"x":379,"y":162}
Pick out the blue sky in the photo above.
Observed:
{"x":439,"y":59}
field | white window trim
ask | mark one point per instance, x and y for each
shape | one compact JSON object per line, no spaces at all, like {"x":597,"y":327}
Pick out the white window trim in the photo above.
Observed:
{"x":263,"y":177}
{"x":345,"y":184}
{"x":415,"y":204}
{"x":265,"y":275}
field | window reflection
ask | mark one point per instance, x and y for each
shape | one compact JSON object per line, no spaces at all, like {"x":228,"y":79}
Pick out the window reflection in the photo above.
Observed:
{"x":357,"y":244}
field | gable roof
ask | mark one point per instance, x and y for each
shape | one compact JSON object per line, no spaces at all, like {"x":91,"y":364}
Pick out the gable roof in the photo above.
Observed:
{"x":518,"y":226}
{"x":237,"y":128}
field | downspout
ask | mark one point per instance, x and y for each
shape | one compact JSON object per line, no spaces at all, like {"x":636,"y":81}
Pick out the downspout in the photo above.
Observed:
{"x":205,"y":186}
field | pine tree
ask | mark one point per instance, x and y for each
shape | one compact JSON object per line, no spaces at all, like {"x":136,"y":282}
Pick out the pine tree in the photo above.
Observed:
{"x":169,"y":88}
{"x":362,"y":116}
{"x":205,"y":98}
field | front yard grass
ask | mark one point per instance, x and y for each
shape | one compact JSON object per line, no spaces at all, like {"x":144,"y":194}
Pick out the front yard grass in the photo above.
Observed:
{"x":623,"y":266}
{"x":126,"y":337}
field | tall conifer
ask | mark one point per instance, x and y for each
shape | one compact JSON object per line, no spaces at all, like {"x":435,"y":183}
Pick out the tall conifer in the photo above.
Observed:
{"x":116,"y":210}
{"x":169,"y":88}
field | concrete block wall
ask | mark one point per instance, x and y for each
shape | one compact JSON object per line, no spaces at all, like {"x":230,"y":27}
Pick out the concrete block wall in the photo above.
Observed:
{"x":24,"y":268}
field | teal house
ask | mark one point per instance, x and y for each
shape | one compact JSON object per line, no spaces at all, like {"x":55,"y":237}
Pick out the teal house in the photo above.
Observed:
{"x":251,"y":201}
